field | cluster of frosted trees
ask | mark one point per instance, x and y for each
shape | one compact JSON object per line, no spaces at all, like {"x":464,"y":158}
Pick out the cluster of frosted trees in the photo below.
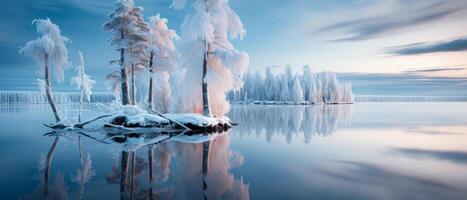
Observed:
{"x":193,"y":75}
{"x":307,"y":87}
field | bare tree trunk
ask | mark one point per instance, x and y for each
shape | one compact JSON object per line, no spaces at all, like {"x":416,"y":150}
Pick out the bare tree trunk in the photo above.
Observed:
{"x":151,"y":171}
{"x":81,"y":157}
{"x":124,"y":174}
{"x":204,"y":84}
{"x":49,"y":90}
{"x":205,"y":167}
{"x":133,"y":85}
{"x":48,"y":164}
{"x":80,"y":106}
{"x":151,"y":70}
{"x":123,"y":74}
{"x":133,"y":175}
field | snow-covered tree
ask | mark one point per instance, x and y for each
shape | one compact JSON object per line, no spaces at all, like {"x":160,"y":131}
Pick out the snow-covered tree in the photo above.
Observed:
{"x":113,"y":83}
{"x":284,"y":88}
{"x":83,"y":83}
{"x":297,"y":91}
{"x":213,"y":66}
{"x":48,"y":50}
{"x":138,"y":49}
{"x":269,"y":81}
{"x":162,"y":60}
{"x":129,"y":37}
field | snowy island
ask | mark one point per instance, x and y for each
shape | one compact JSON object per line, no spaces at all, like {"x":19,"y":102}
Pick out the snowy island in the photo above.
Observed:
{"x":189,"y":79}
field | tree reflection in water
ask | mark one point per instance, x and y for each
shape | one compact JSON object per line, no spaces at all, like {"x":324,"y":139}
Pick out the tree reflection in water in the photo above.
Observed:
{"x":45,"y":190}
{"x":149,"y":166}
{"x":290,"y":121}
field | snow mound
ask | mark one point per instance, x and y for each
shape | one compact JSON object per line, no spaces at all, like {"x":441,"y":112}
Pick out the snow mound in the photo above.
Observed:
{"x":193,"y":118}
{"x":134,"y":116}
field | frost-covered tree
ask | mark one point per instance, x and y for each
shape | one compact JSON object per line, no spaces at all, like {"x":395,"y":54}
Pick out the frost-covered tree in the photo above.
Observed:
{"x":48,"y":50}
{"x":297,"y":91}
{"x":83,"y":83}
{"x":129,"y":37}
{"x":113,"y":83}
{"x":306,"y":79}
{"x":269,"y":81}
{"x":213,"y":66}
{"x":162,"y":60}
{"x":284,"y":88}
{"x":139,"y":55}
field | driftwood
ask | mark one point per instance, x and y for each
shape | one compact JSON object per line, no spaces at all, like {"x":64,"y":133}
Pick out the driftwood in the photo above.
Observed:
{"x":78,"y":125}
{"x":171,"y":120}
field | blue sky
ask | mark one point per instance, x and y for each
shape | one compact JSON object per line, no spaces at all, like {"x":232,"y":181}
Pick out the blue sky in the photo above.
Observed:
{"x":382,"y":46}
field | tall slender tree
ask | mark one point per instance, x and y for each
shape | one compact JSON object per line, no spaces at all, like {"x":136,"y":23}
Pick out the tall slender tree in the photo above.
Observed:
{"x":162,"y":60}
{"x":48,"y":50}
{"x":129,"y":36}
{"x":84,"y":84}
{"x":214,"y":66}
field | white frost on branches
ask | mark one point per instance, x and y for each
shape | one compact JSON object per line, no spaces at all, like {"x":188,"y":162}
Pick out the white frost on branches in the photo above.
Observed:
{"x":113,"y":83}
{"x":209,"y":29}
{"x":311,"y":87}
{"x":82,"y":81}
{"x":162,"y":43}
{"x":50,"y":44}
{"x":163,"y":61}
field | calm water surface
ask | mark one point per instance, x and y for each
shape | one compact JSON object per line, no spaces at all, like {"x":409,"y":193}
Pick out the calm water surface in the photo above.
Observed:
{"x":361,"y":151}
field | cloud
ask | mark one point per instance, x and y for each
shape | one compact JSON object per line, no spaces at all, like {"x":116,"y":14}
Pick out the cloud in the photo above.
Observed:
{"x":429,"y":47}
{"x":437,"y":69}
{"x":411,"y":84}
{"x":398,"y":18}
{"x":452,"y":156}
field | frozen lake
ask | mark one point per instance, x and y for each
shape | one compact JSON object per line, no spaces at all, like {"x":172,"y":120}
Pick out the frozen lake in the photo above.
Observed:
{"x":361,"y":151}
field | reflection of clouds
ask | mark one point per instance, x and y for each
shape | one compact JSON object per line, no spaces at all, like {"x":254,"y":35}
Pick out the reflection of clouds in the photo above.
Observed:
{"x":439,"y":129}
{"x":374,"y":180}
{"x":452,"y":156}
{"x":291,"y":121}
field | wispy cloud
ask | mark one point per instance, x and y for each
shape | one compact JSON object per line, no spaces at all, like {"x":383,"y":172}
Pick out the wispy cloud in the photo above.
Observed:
{"x":429,"y":47}
{"x":403,"y":83}
{"x":452,"y":156}
{"x":399,"y":18}
{"x":438,"y":69}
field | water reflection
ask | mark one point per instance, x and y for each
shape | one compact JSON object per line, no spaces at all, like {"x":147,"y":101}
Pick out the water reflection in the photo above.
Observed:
{"x":152,"y":166}
{"x":291,"y":121}
{"x":46,"y":190}
{"x":459,"y":157}
{"x":378,"y":182}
